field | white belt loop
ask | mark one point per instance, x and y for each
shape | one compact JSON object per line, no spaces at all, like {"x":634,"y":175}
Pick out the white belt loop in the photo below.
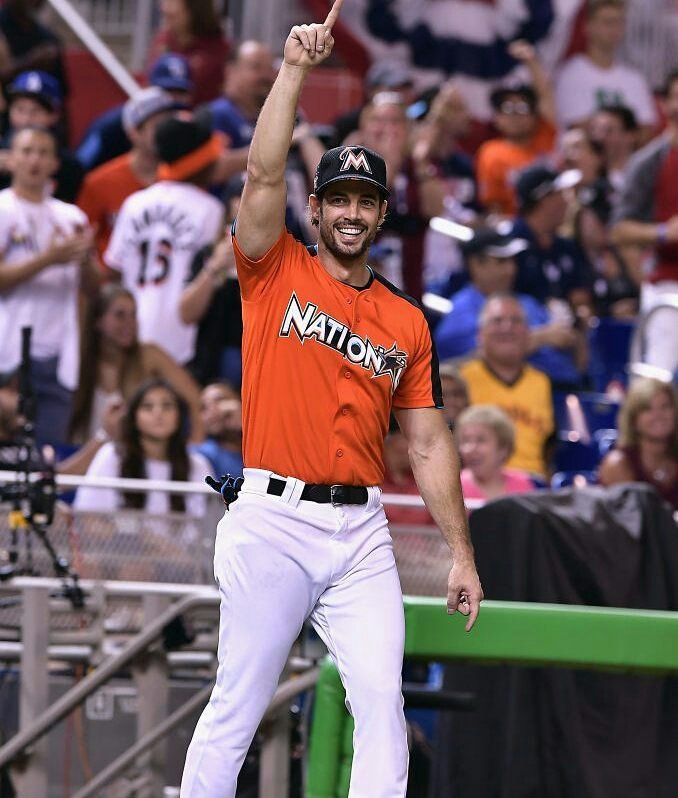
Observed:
{"x":292,"y":491}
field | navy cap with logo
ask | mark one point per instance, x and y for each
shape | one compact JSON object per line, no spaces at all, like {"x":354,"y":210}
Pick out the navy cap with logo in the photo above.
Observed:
{"x":538,"y":181}
{"x":171,"y":72}
{"x":497,"y":243}
{"x":40,"y":86}
{"x":351,"y":163}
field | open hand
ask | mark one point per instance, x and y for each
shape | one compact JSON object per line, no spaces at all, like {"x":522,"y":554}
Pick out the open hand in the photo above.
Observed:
{"x":310,"y":45}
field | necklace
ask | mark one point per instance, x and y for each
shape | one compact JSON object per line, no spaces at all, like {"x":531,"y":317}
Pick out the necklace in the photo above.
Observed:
{"x":660,"y":474}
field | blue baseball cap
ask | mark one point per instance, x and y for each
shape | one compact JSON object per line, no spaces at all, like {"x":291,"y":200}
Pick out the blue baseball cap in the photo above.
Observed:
{"x":39,"y":86}
{"x":171,"y":72}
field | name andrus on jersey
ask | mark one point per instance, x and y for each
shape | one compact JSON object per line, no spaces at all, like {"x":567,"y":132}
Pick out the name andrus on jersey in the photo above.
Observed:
{"x":310,"y":322}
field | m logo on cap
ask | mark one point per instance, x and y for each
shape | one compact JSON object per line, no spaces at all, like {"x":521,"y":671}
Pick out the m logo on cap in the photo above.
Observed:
{"x":351,"y":160}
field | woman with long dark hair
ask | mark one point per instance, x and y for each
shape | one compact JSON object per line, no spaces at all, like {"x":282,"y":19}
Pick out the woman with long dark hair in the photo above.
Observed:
{"x":152,"y":445}
{"x":192,"y":28}
{"x":113,"y":362}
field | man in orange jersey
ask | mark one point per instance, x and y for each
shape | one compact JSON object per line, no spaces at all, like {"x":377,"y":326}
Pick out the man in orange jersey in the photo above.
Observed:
{"x":329,"y":348}
{"x":108,"y":186}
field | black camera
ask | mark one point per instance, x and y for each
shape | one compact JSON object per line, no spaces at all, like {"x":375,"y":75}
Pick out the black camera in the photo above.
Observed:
{"x":32,"y":491}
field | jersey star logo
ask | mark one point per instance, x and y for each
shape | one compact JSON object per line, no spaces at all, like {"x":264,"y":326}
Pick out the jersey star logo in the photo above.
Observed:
{"x":393,"y":363}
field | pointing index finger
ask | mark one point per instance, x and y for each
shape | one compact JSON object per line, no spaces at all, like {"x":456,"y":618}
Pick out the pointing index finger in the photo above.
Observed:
{"x":334,"y":13}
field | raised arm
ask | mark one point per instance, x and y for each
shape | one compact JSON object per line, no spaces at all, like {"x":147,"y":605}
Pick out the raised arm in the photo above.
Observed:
{"x":262,"y":209}
{"x":436,"y":470}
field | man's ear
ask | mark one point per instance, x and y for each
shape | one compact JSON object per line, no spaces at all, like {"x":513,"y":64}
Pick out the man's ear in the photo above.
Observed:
{"x":314,"y":209}
{"x":384,"y":209}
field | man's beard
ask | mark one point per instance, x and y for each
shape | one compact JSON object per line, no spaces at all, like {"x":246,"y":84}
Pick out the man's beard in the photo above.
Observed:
{"x":326,"y":234}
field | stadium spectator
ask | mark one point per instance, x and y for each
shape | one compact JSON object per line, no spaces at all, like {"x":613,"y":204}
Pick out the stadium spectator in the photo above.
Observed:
{"x":36,"y":100}
{"x":490,"y":260}
{"x":447,"y":121}
{"x":211,"y":299}
{"x":152,"y":446}
{"x":416,"y":190}
{"x":160,"y":229}
{"x":616,"y":128}
{"x":248,"y":78}
{"x":579,"y":150}
{"x":381,"y":76}
{"x":587,"y":81}
{"x":647,"y":446}
{"x":647,"y":215}
{"x":485,"y":438}
{"x":501,"y":376}
{"x":28,"y":44}
{"x":617,"y":270}
{"x":553,"y":268}
{"x":524,"y":116}
{"x":108,"y":186}
{"x":455,"y":392}
{"x":221,"y":411}
{"x":192,"y":29}
{"x":106,"y":138}
{"x":113,"y":363}
{"x":47,"y":256}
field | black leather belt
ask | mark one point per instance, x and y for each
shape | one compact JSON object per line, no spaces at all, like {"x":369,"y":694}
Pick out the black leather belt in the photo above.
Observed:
{"x":323,"y":494}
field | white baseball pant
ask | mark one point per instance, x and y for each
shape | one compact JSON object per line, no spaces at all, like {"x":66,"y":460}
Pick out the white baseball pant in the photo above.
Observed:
{"x":277,"y":562}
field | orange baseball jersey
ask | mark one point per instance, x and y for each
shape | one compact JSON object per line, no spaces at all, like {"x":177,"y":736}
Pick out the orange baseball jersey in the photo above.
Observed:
{"x":323,"y":363}
{"x":498,"y":161}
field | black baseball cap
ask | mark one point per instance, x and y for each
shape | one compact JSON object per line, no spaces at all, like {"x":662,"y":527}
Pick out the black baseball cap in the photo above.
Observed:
{"x":351,"y":163}
{"x":538,"y":181}
{"x":186,"y":145}
{"x":494,"y":242}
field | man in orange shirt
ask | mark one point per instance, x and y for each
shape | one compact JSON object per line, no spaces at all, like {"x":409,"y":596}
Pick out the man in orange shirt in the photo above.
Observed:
{"x":108,"y":186}
{"x":524,"y":116}
{"x":329,"y":348}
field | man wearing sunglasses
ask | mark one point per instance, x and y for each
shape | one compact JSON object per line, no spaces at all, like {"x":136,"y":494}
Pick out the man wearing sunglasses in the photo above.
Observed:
{"x":524,"y":116}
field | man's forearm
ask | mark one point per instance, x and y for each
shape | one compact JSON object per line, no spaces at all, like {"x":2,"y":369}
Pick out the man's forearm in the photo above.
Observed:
{"x":436,"y":472}
{"x":273,"y":134}
{"x":12,"y":275}
{"x":633,"y":232}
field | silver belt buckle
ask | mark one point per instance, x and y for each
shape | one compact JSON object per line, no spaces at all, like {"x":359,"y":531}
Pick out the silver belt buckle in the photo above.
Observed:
{"x":333,"y":490}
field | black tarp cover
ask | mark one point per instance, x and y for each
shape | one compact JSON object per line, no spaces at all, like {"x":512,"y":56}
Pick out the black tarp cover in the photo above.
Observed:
{"x":557,"y":733}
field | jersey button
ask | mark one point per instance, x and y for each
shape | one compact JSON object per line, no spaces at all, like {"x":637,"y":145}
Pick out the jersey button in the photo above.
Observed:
{"x":347,"y":374}
{"x":357,"y":318}
{"x":344,"y":411}
{"x":349,"y":300}
{"x":340,"y":453}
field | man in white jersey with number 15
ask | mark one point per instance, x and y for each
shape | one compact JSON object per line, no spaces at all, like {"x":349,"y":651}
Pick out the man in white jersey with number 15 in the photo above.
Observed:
{"x":161,"y":228}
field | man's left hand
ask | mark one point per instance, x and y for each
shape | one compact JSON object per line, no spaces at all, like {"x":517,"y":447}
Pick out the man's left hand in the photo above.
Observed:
{"x":464,"y":591}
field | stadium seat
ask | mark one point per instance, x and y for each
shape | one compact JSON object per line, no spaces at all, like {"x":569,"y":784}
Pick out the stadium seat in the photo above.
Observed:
{"x":576,"y":479}
{"x":574,"y":455}
{"x":605,"y":439}
{"x":578,"y":416}
{"x":609,"y":346}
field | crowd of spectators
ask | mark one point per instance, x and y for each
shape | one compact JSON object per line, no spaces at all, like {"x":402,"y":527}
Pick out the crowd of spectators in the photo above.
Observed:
{"x":119,"y":253}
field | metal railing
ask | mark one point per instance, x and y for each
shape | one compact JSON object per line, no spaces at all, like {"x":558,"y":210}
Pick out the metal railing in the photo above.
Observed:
{"x":162,"y":604}
{"x":638,"y":348}
{"x":86,"y":33}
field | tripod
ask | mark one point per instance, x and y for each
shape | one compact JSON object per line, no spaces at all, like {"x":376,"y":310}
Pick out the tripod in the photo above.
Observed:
{"x":33,"y":493}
